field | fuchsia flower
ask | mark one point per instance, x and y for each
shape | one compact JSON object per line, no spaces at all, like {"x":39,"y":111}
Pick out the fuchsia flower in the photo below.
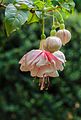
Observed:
{"x":42,"y":64}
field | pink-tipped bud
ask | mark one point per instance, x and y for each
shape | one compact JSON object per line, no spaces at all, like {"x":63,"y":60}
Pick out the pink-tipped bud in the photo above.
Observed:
{"x":52,"y":44}
{"x":64,"y":35}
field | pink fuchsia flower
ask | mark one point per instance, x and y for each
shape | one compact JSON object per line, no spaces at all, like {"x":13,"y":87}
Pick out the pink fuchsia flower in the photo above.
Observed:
{"x":42,"y":64}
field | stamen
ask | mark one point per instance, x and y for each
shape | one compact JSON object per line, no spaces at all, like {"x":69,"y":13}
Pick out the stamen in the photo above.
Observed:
{"x":41,"y":83}
{"x":44,"y":82}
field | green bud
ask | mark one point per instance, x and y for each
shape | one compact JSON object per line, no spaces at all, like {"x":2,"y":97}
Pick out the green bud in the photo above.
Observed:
{"x":52,"y":32}
{"x":53,"y":27}
{"x":43,"y":36}
{"x":62,"y":26}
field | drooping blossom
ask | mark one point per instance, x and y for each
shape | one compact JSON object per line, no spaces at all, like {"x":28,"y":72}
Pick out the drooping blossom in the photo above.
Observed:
{"x":42,"y":64}
{"x":64,"y":35}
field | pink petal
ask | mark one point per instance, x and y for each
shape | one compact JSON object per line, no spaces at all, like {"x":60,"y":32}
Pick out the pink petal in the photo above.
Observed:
{"x":53,"y":74}
{"x":34,"y":71}
{"x":60,"y":56}
{"x":59,"y":65}
{"x":23,"y":67}
{"x":32,"y":56}
{"x":43,"y":70}
{"x":42,"y":60}
{"x":22,"y":59}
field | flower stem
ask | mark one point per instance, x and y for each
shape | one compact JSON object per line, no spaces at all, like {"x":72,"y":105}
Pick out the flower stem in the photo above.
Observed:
{"x":61,"y":18}
{"x":53,"y":26}
{"x":53,"y":31}
{"x":49,"y":9}
{"x":43,"y":36}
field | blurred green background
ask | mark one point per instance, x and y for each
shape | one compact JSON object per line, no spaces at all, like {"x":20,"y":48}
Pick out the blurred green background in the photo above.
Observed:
{"x":20,"y":97}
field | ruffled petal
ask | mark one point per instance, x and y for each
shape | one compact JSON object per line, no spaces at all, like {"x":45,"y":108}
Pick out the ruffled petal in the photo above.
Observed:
{"x":22,"y":60}
{"x":42,"y":60}
{"x":24,"y":68}
{"x":53,"y":74}
{"x":32,"y":56}
{"x":60,"y":56}
{"x":34,"y":71}
{"x":59,"y":65}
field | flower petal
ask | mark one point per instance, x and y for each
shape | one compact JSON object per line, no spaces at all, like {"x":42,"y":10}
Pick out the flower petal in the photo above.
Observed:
{"x":42,"y":60}
{"x":32,"y":56}
{"x":53,"y":74}
{"x":22,"y":60}
{"x":60,"y":56}
{"x":45,"y":70}
{"x":24,"y":68}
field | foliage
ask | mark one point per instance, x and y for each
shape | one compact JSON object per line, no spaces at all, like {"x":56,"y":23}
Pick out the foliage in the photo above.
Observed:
{"x":20,"y":99}
{"x":78,"y":5}
{"x":19,"y":11}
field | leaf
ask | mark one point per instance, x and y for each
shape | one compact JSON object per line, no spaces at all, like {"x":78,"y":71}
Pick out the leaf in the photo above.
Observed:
{"x":14,"y":18}
{"x":48,"y":3}
{"x":33,"y":17}
{"x":8,"y":1}
{"x":27,"y":3}
{"x":67,"y":5}
{"x":39,"y":4}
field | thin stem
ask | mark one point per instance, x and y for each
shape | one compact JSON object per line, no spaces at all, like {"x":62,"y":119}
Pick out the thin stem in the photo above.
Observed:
{"x":62,"y":21}
{"x":53,"y":19}
{"x":49,"y":9}
{"x":43,"y":22}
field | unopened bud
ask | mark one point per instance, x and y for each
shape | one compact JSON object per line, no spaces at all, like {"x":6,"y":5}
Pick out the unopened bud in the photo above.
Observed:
{"x":64,"y":35}
{"x":52,"y":44}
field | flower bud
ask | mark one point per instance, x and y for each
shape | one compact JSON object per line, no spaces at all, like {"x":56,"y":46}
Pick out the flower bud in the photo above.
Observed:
{"x":43,"y":36}
{"x":42,"y":44}
{"x":53,"y":32}
{"x":64,"y":35}
{"x":52,"y":44}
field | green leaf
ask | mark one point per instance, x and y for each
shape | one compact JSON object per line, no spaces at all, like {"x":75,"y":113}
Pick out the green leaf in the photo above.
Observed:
{"x":39,"y":4}
{"x":33,"y":17}
{"x":68,"y":5}
{"x":26,"y":3}
{"x":14,"y":18}
{"x":8,"y":1}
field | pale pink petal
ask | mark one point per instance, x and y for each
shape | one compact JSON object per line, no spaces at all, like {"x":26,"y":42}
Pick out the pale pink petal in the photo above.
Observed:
{"x":59,"y":65}
{"x":35,"y":61}
{"x":53,"y":74}
{"x":43,"y":70}
{"x":24,"y":68}
{"x":22,"y":59}
{"x":49,"y":56}
{"x":32,"y":56}
{"x":34,"y":71}
{"x":60,"y":56}
{"x":42,"y":60}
